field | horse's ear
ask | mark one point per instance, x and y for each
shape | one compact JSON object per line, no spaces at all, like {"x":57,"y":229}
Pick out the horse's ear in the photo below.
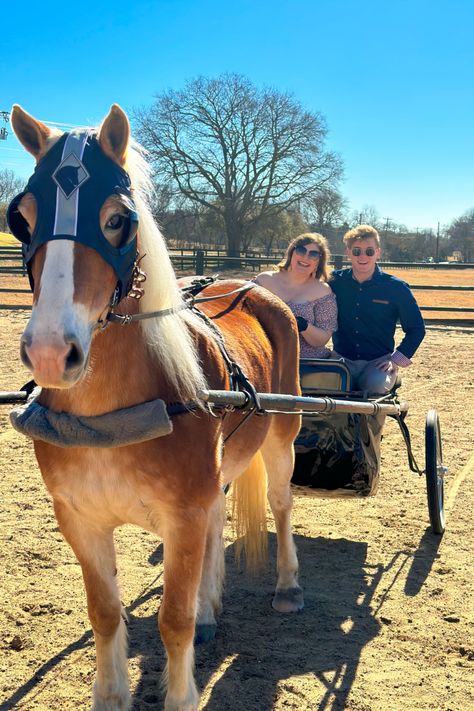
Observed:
{"x":114,"y":134}
{"x":32,"y":134}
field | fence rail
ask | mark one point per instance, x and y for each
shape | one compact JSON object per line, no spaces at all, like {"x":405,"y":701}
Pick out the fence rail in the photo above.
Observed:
{"x":199,"y":261}
{"x":212,"y":259}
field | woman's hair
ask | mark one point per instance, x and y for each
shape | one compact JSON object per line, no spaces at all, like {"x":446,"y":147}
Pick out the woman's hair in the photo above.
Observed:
{"x":361,"y":232}
{"x":322,"y":270}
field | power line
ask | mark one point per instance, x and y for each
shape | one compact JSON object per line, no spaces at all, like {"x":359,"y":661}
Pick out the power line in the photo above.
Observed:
{"x":62,"y":125}
{"x":5,"y":117}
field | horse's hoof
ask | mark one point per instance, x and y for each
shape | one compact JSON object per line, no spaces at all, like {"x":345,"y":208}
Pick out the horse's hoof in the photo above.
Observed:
{"x":204,"y":633}
{"x":288,"y":600}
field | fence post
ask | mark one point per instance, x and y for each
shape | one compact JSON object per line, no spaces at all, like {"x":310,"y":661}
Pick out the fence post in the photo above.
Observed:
{"x":200,"y":261}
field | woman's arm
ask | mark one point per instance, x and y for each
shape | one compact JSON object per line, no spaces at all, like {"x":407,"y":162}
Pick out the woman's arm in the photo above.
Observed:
{"x":316,"y":336}
{"x":325,"y":321}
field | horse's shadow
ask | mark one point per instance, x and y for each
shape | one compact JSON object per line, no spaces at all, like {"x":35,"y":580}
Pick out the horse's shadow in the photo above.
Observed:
{"x":263,"y":648}
{"x":257,"y":645}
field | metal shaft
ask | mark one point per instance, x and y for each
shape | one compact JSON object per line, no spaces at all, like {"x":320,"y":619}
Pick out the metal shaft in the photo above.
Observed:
{"x":288,"y":403}
{"x":11,"y":398}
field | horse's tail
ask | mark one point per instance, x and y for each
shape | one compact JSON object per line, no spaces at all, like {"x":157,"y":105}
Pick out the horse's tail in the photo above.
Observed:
{"x":249,"y":509}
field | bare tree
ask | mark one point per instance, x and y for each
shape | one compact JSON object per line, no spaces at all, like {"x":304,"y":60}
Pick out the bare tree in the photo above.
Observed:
{"x":326,"y":208}
{"x":367,"y":215}
{"x":242,"y":152}
{"x":461,"y":235}
{"x":10,"y":185}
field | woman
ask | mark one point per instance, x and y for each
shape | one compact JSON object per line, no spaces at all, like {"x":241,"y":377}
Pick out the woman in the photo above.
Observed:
{"x":301,"y":282}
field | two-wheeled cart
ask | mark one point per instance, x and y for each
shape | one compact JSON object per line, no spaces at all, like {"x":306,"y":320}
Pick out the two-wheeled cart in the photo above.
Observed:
{"x":337,"y":451}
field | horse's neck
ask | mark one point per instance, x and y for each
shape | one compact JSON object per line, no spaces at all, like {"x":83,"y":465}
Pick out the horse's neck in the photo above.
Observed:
{"x":122,"y":372}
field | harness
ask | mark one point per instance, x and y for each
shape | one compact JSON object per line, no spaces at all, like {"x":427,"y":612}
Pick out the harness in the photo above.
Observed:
{"x":239,"y":382}
{"x":147,"y":420}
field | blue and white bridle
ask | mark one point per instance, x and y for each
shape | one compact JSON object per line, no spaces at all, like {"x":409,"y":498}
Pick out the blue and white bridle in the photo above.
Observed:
{"x":70,"y":185}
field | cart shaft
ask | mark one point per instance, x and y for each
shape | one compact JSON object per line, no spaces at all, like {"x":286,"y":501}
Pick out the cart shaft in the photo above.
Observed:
{"x":10,"y":398}
{"x":294,"y":403}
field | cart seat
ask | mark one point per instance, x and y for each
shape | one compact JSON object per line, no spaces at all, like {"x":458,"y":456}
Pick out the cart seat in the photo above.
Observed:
{"x":321,"y":375}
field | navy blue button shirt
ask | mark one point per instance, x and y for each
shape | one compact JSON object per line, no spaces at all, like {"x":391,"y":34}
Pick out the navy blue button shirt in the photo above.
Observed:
{"x":368,"y":313}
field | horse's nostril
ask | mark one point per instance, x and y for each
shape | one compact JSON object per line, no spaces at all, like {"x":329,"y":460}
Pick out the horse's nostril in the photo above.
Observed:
{"x":75,"y":357}
{"x":24,"y":355}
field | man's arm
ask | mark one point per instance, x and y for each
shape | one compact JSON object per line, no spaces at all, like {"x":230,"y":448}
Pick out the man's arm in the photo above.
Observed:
{"x":413,"y":326}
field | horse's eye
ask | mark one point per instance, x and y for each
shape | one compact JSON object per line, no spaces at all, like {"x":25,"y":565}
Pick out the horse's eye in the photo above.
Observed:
{"x":116,"y":222}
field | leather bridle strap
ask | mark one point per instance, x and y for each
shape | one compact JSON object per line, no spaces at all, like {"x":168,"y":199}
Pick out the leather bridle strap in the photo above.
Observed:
{"x":189,"y":302}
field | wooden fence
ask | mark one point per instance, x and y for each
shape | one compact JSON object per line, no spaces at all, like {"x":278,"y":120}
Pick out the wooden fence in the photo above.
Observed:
{"x":198,"y":261}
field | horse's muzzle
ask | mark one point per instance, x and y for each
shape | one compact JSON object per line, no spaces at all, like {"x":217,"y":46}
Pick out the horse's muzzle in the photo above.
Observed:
{"x":54,"y":363}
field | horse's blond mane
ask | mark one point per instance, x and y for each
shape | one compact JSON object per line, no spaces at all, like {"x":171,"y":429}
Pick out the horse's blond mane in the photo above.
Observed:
{"x":167,"y":336}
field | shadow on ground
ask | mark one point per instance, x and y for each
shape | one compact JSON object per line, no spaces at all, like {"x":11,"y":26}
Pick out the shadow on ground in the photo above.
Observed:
{"x":257,"y":649}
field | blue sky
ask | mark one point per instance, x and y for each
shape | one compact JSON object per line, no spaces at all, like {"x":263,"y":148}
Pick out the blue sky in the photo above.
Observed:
{"x":395,"y":80}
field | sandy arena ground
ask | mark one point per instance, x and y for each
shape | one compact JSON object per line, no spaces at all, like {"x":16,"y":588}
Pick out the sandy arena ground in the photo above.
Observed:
{"x":389,"y":617}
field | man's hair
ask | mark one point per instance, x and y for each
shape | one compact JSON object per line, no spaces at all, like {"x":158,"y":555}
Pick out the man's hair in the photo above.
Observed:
{"x":322,"y":270}
{"x":361,"y":232}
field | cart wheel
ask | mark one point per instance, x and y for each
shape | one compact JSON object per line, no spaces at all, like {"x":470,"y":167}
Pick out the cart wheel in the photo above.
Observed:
{"x":435,"y":472}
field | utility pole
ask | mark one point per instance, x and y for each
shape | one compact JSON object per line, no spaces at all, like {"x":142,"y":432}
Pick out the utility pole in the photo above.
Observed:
{"x":387,"y":221}
{"x":5,"y":117}
{"x":437,"y":246}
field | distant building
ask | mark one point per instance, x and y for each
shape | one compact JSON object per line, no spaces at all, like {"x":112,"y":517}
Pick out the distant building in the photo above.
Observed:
{"x":455,"y":257}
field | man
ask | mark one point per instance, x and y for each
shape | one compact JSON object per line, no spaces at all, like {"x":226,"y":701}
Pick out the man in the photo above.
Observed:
{"x":370,"y":302}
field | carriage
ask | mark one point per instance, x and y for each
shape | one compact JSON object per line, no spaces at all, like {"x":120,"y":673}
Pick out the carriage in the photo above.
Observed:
{"x":337,"y":450}
{"x":143,"y":416}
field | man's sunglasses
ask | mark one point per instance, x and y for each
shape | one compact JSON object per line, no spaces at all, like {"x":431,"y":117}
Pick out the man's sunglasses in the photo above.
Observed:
{"x":301,"y":251}
{"x":357,"y":251}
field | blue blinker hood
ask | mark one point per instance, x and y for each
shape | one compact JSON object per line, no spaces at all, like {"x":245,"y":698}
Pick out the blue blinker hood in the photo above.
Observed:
{"x":70,"y":184}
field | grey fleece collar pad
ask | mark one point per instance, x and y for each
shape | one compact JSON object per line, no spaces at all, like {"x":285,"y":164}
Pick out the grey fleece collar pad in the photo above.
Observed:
{"x":129,"y":425}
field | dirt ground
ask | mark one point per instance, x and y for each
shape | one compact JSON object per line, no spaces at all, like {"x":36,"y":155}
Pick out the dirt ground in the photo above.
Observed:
{"x":389,"y":618}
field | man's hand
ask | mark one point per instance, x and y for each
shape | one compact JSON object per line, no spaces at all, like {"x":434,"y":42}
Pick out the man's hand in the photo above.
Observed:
{"x":385,"y":364}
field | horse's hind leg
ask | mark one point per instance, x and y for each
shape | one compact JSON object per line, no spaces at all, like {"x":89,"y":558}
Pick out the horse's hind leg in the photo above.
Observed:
{"x":278,"y":454}
{"x":94,"y":549}
{"x":212,"y":579}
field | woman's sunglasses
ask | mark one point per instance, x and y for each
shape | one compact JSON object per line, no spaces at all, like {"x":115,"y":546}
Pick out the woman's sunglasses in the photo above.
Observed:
{"x":301,"y":251}
{"x":357,"y":251}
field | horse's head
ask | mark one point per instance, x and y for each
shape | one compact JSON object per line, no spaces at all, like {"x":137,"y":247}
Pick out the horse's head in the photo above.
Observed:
{"x":76,"y":219}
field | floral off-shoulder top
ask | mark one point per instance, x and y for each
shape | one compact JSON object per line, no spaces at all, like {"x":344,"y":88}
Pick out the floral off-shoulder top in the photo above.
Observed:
{"x":322,"y":313}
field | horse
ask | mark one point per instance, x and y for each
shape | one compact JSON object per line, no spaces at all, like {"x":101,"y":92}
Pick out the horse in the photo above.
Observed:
{"x":81,"y":239}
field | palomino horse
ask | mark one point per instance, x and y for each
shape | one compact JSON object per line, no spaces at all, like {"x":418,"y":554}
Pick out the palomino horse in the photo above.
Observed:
{"x":78,"y":220}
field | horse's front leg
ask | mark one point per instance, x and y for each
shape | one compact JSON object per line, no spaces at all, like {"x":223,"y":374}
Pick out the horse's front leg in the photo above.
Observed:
{"x":94,"y":549}
{"x":184,"y":544}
